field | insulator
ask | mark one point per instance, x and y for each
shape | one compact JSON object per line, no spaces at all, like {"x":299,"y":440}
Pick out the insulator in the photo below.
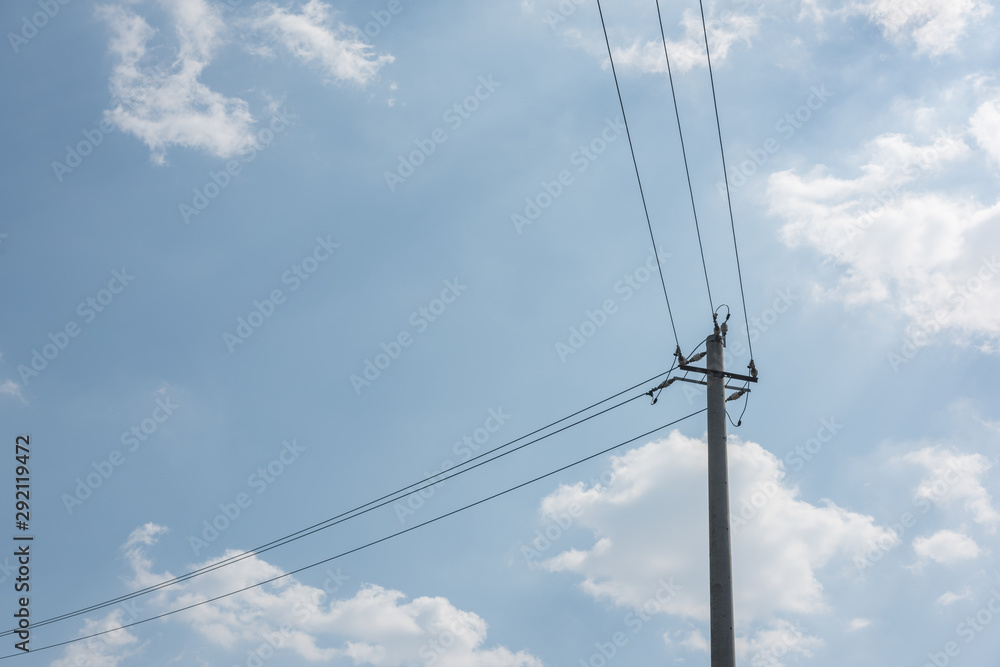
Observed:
{"x":700,"y":355}
{"x":666,"y":383}
{"x":736,"y":395}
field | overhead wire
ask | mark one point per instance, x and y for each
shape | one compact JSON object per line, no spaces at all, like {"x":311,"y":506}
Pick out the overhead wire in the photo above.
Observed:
{"x":635,"y":164}
{"x":388,"y":498}
{"x":729,"y":198}
{"x":687,"y":171}
{"x":360,"y":548}
{"x":382,"y":501}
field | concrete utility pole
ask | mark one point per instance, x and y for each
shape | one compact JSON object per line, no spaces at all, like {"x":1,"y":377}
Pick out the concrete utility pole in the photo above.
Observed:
{"x":720,"y":559}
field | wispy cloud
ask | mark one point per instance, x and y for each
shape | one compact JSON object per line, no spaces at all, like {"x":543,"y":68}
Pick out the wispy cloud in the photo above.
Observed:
{"x":950,"y":598}
{"x":639,"y":31}
{"x":858,"y":624}
{"x":109,"y":650}
{"x":314,"y":36}
{"x":163,"y":102}
{"x":12,"y":389}
{"x":935,"y":27}
{"x":688,"y":52}
{"x":161,"y":98}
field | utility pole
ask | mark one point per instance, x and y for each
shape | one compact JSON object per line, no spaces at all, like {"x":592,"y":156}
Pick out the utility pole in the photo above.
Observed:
{"x":720,"y":558}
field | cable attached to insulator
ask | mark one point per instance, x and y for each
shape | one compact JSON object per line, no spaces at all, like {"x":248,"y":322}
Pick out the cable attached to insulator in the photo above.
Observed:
{"x":663,"y":385}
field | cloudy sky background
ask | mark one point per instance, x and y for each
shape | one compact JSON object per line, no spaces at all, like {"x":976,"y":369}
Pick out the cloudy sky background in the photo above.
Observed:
{"x":389,"y":167}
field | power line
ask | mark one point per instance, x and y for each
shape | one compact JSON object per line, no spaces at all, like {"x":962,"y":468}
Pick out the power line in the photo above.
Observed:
{"x":687,"y":171}
{"x":365,"y":546}
{"x":639,"y":180}
{"x":361,"y":509}
{"x":725,"y":174}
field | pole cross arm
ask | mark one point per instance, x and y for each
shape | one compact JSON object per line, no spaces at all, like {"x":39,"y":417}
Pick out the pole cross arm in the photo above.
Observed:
{"x":703,"y":383}
{"x":706,"y":371}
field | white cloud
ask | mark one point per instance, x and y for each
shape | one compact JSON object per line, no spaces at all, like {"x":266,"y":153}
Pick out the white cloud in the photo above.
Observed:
{"x":314,"y":37}
{"x":376,"y":626}
{"x":779,"y":543}
{"x":956,"y":477}
{"x":135,"y":554}
{"x":164,"y":103}
{"x":949,"y":598}
{"x":946,"y":547}
{"x":695,"y":641}
{"x":936,"y":26}
{"x":12,"y":389}
{"x":780,"y":640}
{"x":640,"y":33}
{"x":858,"y":624}
{"x":985,"y":125}
{"x":107,"y":650}
{"x":145,"y":535}
{"x":690,"y":51}
{"x":925,"y":253}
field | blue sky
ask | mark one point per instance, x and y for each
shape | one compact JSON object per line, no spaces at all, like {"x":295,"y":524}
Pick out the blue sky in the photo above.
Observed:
{"x":286,"y":257}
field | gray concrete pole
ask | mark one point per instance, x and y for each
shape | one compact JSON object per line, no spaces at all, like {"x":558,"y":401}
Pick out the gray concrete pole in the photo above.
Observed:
{"x":720,"y":560}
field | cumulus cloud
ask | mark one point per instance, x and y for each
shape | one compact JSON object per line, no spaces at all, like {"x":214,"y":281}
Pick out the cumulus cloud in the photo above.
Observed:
{"x":898,"y":240}
{"x":780,"y":542}
{"x":955,"y":477}
{"x":946,"y":547}
{"x":377,"y":626}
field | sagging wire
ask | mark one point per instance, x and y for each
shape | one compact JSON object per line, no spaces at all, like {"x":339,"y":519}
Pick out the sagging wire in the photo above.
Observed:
{"x":746,"y":401}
